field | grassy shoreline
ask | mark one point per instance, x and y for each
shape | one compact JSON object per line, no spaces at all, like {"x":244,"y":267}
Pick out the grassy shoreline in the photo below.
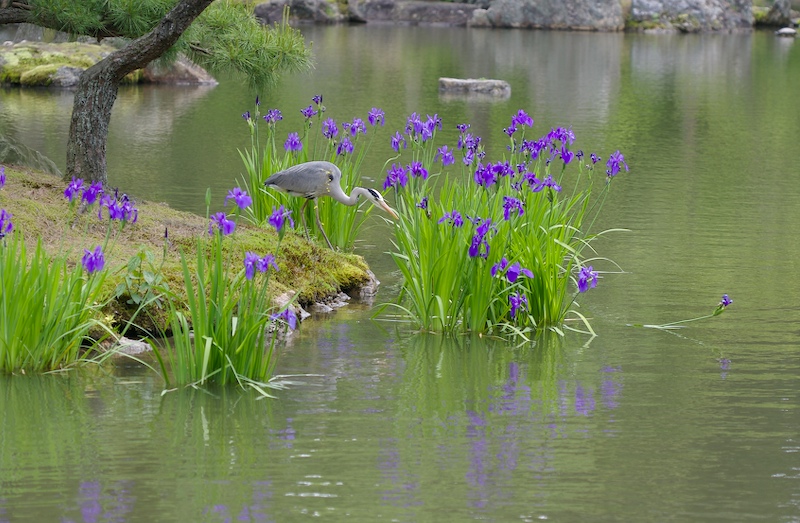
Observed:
{"x":40,"y":210}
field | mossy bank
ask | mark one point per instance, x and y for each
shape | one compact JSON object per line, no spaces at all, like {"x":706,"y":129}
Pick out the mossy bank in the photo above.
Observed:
{"x":40,"y":211}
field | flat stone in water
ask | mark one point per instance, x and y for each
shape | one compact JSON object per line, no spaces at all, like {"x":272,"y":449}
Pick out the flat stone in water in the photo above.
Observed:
{"x":479,"y":86}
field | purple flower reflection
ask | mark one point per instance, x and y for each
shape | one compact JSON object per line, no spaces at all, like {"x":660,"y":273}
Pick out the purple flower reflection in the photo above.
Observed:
{"x":96,"y":503}
{"x":584,"y":400}
{"x":91,"y":510}
{"x":476,"y":475}
{"x":288,"y":434}
{"x":610,"y":388}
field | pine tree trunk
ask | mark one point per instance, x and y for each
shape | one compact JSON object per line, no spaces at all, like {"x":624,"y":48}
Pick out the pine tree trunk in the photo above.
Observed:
{"x":98,"y":86}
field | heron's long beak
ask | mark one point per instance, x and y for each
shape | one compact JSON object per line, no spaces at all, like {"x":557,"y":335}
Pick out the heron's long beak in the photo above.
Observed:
{"x":385,"y":207}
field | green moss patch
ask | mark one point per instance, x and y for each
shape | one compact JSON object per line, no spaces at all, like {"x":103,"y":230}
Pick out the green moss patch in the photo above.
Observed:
{"x":36,"y":63}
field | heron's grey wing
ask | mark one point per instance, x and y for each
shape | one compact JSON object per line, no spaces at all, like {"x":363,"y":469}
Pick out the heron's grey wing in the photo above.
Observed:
{"x":308,"y":180}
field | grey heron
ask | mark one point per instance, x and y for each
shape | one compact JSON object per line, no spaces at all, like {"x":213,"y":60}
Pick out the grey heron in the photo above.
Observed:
{"x":311,"y":180}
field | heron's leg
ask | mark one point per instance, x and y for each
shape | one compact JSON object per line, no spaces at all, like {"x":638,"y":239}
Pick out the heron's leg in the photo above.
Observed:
{"x":319,"y":224}
{"x":303,"y":217}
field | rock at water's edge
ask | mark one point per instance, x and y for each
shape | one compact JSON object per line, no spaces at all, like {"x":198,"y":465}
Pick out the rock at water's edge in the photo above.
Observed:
{"x":483,"y":86}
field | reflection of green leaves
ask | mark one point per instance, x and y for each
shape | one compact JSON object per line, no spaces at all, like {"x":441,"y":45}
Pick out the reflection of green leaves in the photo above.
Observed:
{"x":444,"y":374}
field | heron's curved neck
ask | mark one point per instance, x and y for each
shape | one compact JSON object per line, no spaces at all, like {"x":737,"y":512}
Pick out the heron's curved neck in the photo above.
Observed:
{"x":353,"y":198}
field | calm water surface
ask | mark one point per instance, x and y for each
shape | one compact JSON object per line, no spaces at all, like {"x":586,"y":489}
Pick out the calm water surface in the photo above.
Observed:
{"x":700,"y":424}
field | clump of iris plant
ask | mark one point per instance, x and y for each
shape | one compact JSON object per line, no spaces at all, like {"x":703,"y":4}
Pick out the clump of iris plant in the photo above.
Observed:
{"x":502,"y":245}
{"x":57,"y":322}
{"x":322,"y":136}
{"x":228,"y":339}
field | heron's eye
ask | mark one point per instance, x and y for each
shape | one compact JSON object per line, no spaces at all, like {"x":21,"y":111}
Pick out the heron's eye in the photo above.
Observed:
{"x":330,"y":176}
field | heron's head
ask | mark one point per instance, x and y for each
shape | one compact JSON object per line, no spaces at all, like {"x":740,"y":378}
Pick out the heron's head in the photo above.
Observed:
{"x":378,"y":200}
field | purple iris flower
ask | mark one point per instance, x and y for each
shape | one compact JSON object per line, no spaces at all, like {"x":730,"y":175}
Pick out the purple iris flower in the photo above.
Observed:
{"x":105,"y":201}
{"x":308,"y":112}
{"x":253,"y":262}
{"x":2,"y":176}
{"x":479,"y":240}
{"x":434,"y":122}
{"x":587,"y":278}
{"x":357,"y":126}
{"x":73,"y":188}
{"x":454,"y":218}
{"x":279,"y":217}
{"x":293,"y":143}
{"x":329,"y":129}
{"x":468,"y":141}
{"x":499,"y":266}
{"x":119,"y":208}
{"x":518,"y":301}
{"x":250,"y":261}
{"x":550,"y":182}
{"x":344,"y":147}
{"x":423,"y":204}
{"x":317,"y":99}
{"x":413,"y":124}
{"x":484,"y":175}
{"x":93,"y":261}
{"x":397,"y":141}
{"x":246,"y":115}
{"x":5,"y":223}
{"x":614,"y":161}
{"x":446,"y":155}
{"x":512,"y":205}
{"x":273,"y":115}
{"x":91,"y":193}
{"x":130,"y":212}
{"x":512,"y":272}
{"x":521,"y":118}
{"x":565,"y":136}
{"x":475,"y":247}
{"x":288,"y":316}
{"x":264,"y":263}
{"x":396,"y":176}
{"x":510,"y":130}
{"x":376,"y":115}
{"x":725,"y":300}
{"x":116,"y":211}
{"x":594,"y":158}
{"x":224,"y":225}
{"x":258,"y":101}
{"x":515,"y":270}
{"x":462,"y":127}
{"x":503,"y":169}
{"x":240,"y":197}
{"x":417,"y":170}
{"x":566,"y":154}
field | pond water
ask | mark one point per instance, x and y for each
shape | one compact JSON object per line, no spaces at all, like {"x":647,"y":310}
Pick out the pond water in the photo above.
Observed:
{"x":700,"y":424}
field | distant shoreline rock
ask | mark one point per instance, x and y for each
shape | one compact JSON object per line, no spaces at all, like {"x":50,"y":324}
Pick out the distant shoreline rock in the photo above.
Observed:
{"x":576,"y":15}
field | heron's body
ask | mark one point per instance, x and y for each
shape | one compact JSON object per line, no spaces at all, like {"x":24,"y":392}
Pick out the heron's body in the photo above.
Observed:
{"x":311,"y":180}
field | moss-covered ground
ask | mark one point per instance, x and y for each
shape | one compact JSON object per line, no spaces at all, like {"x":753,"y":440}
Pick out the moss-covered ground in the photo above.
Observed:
{"x":40,"y":211}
